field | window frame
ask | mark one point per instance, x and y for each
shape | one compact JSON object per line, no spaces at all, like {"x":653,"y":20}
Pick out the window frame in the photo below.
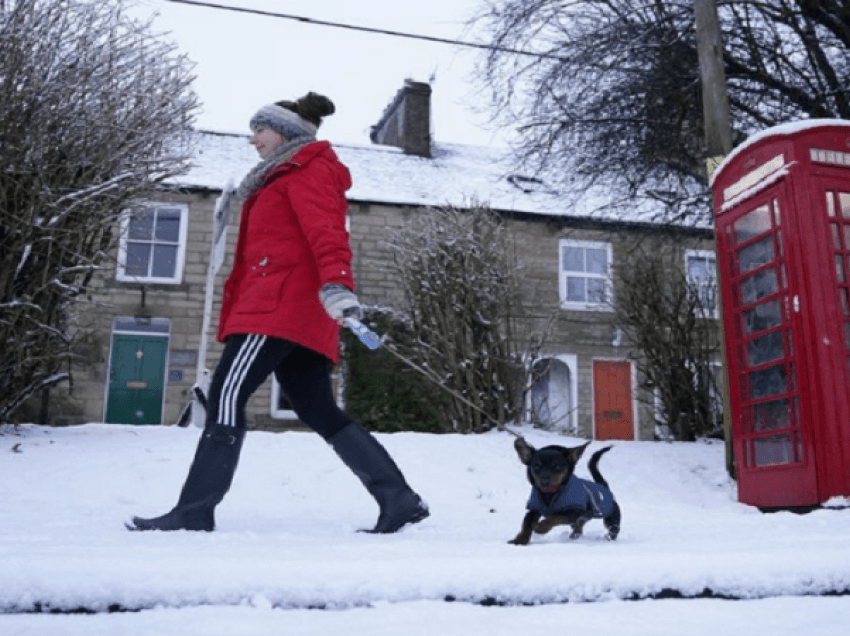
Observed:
{"x":714,"y":313}
{"x":570,"y":361}
{"x":274,"y":411}
{"x":608,"y":303}
{"x":121,"y":274}
{"x":289,"y":414}
{"x":715,"y":395}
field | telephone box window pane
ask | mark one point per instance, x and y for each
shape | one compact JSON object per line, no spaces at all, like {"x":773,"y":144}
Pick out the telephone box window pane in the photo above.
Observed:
{"x":847,"y":335}
{"x":836,"y":235}
{"x":768,"y":382}
{"x":752,"y":224}
{"x":765,"y":349}
{"x":830,"y":204}
{"x":845,"y":301}
{"x":758,"y":286}
{"x":847,"y":237}
{"x":771,"y":415}
{"x":755,"y":255}
{"x":771,"y":451}
{"x":844,"y":202}
{"x":763,"y":317}
{"x":839,"y":268}
{"x":777,"y":215}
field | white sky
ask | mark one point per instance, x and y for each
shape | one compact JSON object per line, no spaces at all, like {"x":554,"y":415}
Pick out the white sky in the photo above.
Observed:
{"x":245,"y":61}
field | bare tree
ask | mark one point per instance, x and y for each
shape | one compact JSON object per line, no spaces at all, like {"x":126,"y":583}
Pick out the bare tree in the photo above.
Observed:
{"x":609,"y":97}
{"x":459,"y":273}
{"x":94,"y":111}
{"x":671,"y":322}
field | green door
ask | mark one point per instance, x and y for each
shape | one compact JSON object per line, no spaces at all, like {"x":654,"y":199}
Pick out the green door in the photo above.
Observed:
{"x":137,"y":378}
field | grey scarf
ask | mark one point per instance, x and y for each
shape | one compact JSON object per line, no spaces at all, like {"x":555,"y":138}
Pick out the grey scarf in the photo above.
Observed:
{"x":283,"y":153}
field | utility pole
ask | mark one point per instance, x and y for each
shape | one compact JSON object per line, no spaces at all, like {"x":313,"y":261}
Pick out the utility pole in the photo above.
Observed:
{"x":718,"y":139}
{"x":715,"y":100}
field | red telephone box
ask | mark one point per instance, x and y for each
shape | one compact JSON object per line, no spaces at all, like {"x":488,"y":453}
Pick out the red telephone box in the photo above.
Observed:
{"x":782,"y":226}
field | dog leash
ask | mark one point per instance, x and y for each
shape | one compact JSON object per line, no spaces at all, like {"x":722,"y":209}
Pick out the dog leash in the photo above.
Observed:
{"x":373,"y":341}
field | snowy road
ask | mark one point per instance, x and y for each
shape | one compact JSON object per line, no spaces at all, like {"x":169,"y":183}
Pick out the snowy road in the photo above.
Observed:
{"x":286,"y":543}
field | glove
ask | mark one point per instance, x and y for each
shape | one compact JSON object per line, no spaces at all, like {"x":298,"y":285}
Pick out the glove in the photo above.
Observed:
{"x":340,"y":302}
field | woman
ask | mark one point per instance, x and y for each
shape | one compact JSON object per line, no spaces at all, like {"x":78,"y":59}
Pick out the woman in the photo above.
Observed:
{"x":283,"y":304}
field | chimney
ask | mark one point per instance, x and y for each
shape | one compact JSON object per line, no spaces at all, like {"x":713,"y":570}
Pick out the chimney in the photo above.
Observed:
{"x":406,"y":122}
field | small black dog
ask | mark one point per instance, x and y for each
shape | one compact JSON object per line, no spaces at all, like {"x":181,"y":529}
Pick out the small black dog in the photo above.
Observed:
{"x":562,"y":498}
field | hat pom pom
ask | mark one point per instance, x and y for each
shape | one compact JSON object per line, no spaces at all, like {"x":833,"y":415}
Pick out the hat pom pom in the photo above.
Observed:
{"x":315,"y":105}
{"x":312,"y":107}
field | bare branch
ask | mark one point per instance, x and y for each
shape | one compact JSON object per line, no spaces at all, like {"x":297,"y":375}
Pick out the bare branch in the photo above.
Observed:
{"x":620,"y":109}
{"x":94,"y":112}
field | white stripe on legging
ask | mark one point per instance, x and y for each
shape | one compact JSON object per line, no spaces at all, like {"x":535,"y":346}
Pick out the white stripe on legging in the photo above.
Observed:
{"x":236,"y":376}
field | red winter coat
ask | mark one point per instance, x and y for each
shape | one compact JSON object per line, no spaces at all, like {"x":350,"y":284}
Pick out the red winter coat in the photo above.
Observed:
{"x":292,"y":241}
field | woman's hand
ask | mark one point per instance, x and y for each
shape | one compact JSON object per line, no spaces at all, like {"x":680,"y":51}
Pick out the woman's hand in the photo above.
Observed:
{"x":339,"y":302}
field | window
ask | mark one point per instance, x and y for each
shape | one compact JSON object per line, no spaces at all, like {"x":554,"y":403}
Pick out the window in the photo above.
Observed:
{"x":553,"y":394}
{"x":708,"y":380}
{"x":701,"y":269}
{"x":153,"y":244}
{"x":585,"y":275}
{"x":281,"y":407}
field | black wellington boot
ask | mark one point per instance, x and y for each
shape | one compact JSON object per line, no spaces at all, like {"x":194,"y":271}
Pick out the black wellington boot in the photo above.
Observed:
{"x":372,"y":464}
{"x":208,"y":481}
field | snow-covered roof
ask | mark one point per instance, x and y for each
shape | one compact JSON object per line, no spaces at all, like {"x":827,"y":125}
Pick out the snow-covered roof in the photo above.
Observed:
{"x":456,"y":175}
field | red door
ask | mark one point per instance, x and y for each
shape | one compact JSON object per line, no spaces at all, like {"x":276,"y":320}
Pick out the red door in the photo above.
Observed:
{"x":613,"y":417}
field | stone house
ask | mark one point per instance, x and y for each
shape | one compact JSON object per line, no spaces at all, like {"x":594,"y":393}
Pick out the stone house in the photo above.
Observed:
{"x":144,"y":355}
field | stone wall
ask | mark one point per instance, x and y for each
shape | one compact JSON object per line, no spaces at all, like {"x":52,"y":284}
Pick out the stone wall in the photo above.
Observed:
{"x":587,"y":335}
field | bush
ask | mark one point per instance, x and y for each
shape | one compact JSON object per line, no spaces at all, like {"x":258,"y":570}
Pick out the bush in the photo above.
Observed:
{"x":383,"y":392}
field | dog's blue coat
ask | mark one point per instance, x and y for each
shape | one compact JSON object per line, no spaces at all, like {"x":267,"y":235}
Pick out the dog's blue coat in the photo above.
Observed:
{"x":576,"y":494}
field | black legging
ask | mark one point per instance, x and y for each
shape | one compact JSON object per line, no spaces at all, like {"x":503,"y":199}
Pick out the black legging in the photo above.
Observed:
{"x":303,"y":374}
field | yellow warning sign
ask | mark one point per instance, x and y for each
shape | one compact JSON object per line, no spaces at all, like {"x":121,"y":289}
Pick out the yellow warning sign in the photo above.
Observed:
{"x":712,"y":162}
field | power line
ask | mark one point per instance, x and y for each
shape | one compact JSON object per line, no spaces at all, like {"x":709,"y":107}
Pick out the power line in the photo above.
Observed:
{"x":352,"y":27}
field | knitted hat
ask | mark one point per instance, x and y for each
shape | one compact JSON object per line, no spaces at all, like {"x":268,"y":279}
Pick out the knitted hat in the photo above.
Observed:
{"x":294,"y":119}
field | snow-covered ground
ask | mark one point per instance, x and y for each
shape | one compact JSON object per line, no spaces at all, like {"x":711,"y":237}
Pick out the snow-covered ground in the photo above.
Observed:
{"x":286,"y":557}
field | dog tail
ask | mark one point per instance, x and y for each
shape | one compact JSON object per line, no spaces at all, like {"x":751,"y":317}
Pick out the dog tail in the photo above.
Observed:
{"x":594,"y":471}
